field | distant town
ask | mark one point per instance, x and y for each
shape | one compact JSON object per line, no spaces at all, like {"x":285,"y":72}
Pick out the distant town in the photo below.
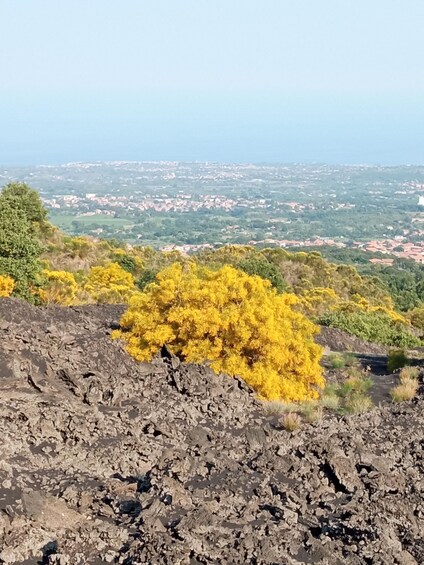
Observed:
{"x":189,"y":206}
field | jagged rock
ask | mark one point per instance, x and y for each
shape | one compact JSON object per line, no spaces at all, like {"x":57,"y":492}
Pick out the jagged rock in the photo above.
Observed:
{"x":106,"y":460}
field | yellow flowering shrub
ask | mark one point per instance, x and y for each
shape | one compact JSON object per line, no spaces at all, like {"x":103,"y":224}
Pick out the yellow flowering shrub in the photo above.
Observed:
{"x":7,"y":284}
{"x":235,"y":322}
{"x":110,"y":284}
{"x":360,"y":304}
{"x":416,"y":316}
{"x":78,"y":246}
{"x":318,"y":300}
{"x":60,"y":287}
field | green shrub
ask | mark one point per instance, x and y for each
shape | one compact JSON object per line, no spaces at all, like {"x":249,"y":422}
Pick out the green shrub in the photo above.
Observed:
{"x":396,"y":360}
{"x":349,"y":359}
{"x":127,"y":262}
{"x":25,"y":200}
{"x":261,"y":267}
{"x":336,"y":360}
{"x":147,"y":276}
{"x":376,"y":327}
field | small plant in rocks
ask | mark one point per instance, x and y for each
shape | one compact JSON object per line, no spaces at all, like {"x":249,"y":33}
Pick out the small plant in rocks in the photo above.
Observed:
{"x":409,"y":373}
{"x":330,"y":401}
{"x":357,"y":403}
{"x":337,"y":361}
{"x":349,"y":359}
{"x":291,"y":421}
{"x":278,"y":407}
{"x":406,"y":390}
{"x":311,"y":411}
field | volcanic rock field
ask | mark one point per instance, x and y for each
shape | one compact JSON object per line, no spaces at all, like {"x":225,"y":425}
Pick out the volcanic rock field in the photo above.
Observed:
{"x":106,"y":460}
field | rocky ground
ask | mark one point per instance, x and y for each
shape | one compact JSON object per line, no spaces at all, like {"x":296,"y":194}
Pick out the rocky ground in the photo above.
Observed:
{"x":105,"y":460}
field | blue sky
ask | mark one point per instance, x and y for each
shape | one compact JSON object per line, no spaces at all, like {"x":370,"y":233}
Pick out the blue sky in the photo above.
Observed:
{"x":229,"y":80}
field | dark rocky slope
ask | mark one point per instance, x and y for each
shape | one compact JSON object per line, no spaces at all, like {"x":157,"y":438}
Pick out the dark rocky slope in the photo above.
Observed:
{"x":105,"y":460}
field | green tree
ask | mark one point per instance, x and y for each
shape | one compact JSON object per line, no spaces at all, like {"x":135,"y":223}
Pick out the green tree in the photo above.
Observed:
{"x":261,"y":267}
{"x":24,"y":198}
{"x":19,"y":250}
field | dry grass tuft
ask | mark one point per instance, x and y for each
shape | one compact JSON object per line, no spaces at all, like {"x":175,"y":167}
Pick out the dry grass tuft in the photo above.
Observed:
{"x":311,"y":411}
{"x":405,"y":391}
{"x":278,"y":407}
{"x":314,"y":415}
{"x":358,"y":403}
{"x":409,"y":374}
{"x":330,"y":401}
{"x":291,"y":421}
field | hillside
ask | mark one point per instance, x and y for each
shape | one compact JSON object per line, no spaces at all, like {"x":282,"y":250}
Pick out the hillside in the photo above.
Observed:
{"x":41,"y":264}
{"x":106,"y":460}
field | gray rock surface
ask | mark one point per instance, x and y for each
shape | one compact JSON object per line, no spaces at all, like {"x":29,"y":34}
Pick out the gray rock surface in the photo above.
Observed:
{"x":106,"y":460}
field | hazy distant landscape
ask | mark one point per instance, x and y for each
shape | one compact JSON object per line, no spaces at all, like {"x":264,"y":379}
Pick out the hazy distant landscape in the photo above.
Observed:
{"x":197,"y":204}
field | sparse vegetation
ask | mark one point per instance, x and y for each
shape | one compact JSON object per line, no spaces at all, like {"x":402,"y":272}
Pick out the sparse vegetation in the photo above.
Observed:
{"x":330,"y":399}
{"x":404,"y":391}
{"x":336,"y":360}
{"x":342,"y":360}
{"x":278,"y":407}
{"x":351,"y":395}
{"x":409,"y":373}
{"x":349,"y":359}
{"x":408,"y":385}
{"x":357,"y":381}
{"x":357,"y":403}
{"x":311,"y":411}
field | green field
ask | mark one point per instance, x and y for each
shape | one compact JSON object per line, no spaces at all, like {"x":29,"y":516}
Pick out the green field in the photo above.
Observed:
{"x":65,"y":221}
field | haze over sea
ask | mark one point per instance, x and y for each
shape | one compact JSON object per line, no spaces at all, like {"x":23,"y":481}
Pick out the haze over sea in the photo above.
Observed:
{"x":233,"y":81}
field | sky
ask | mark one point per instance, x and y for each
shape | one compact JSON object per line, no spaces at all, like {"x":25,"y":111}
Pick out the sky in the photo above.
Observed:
{"x":335,"y":81}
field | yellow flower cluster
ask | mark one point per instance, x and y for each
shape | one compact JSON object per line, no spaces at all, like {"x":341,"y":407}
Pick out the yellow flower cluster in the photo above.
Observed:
{"x":317,"y":301}
{"x":110,"y":284}
{"x":234,"y":321}
{"x":60,"y":287}
{"x":359,"y":303}
{"x":7,"y":284}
